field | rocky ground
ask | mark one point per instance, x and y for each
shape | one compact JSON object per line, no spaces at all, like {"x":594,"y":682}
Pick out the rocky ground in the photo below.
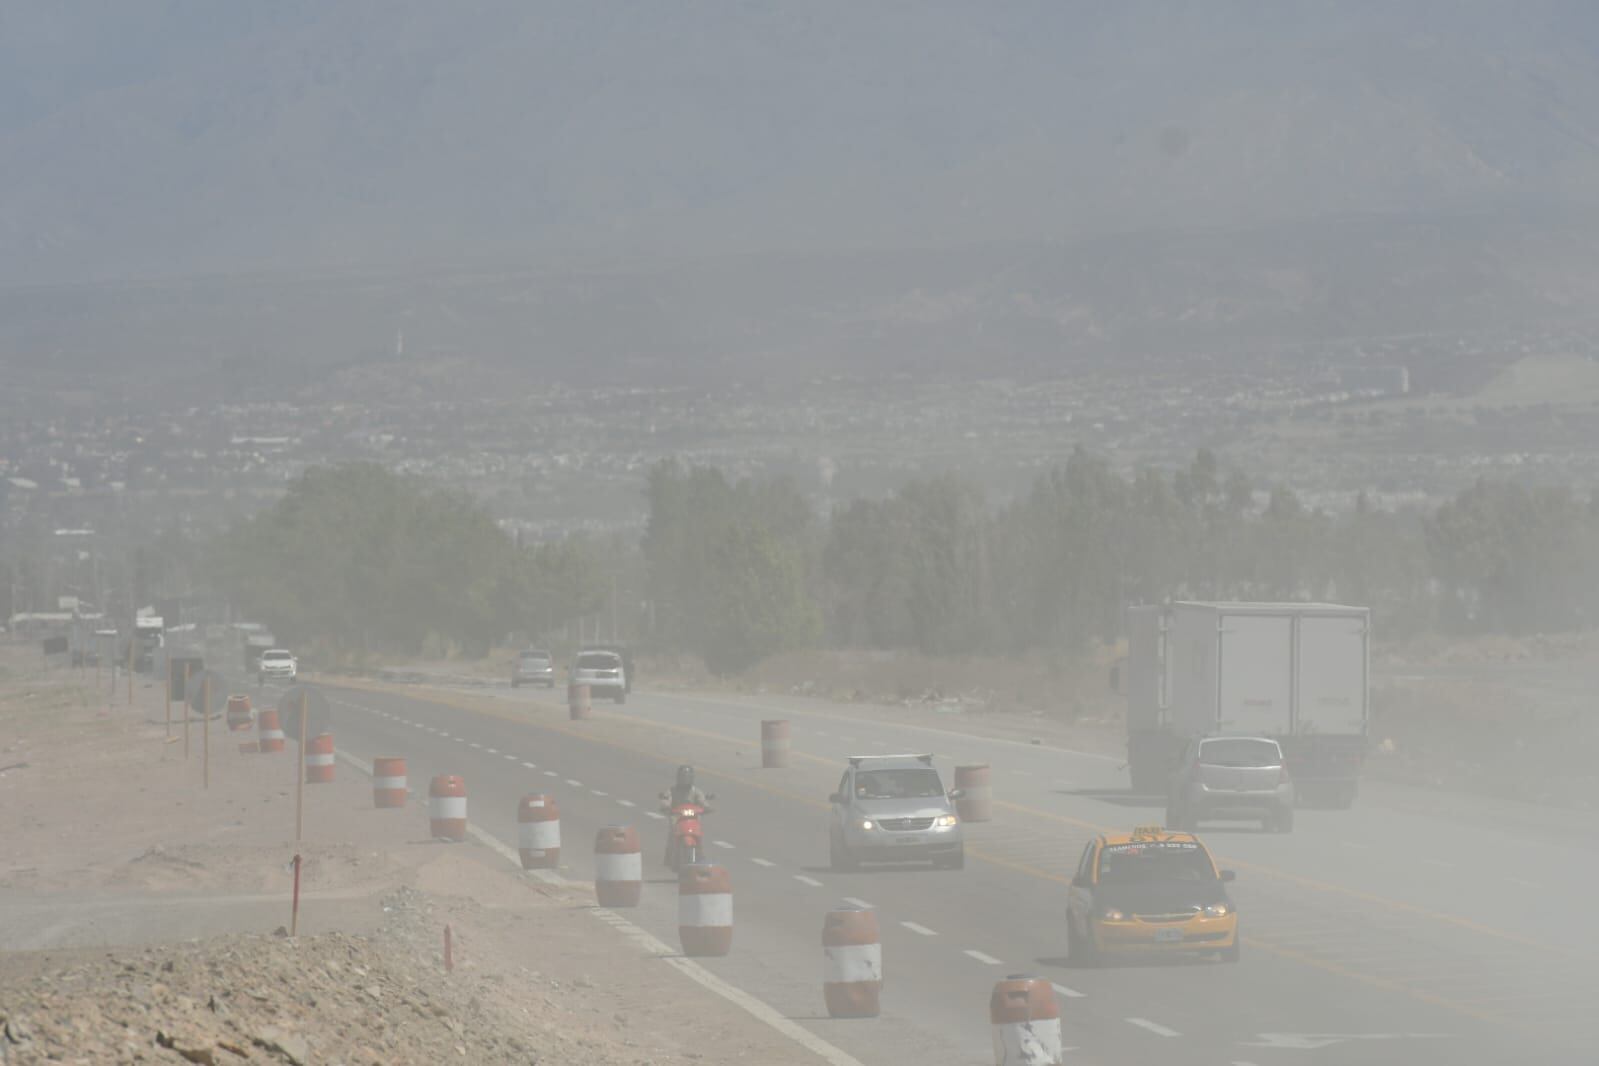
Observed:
{"x":143,"y":917}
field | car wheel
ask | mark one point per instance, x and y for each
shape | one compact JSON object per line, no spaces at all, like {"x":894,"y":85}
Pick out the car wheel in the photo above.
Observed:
{"x":838,"y":854}
{"x":1231,"y":954}
{"x":1079,"y":949}
{"x":956,"y":861}
{"x":621,"y":697}
{"x":1283,"y":821}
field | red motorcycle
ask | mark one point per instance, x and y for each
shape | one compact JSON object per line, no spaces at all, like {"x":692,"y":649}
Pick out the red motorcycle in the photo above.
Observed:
{"x":685,"y":843}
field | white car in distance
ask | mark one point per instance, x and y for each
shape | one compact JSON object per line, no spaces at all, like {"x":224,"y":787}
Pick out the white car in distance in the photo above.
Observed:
{"x":278,"y":664}
{"x":603,"y":673}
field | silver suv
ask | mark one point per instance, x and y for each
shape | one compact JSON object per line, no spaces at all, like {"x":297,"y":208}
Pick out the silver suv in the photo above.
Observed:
{"x":534,"y":667}
{"x":893,"y":808}
{"x":1241,"y":778}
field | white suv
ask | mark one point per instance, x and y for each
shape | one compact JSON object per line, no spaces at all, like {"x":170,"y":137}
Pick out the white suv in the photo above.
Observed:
{"x":278,"y":664}
{"x":603,"y":673}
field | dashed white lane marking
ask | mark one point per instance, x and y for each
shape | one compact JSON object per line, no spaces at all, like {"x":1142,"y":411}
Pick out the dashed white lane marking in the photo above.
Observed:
{"x":574,"y":783}
{"x":531,"y":765}
{"x":1354,"y":845}
{"x":823,"y":733}
{"x":597,"y":792}
{"x":509,"y":757}
{"x":763,"y":862}
{"x":986,"y":960}
{"x":919,"y":930}
{"x":446,"y":736}
{"x":551,"y":773}
{"x":655,"y":814}
{"x":802,"y":879}
{"x":492,"y":751}
{"x":1070,"y":993}
{"x":1153,"y":1027}
{"x":723,"y":844}
{"x":1441,"y":864}
{"x":625,"y":803}
{"x":476,"y":745}
{"x":861,"y":903}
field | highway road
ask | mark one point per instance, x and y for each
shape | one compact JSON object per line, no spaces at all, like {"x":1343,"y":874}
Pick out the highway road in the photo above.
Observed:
{"x":1417,"y":928}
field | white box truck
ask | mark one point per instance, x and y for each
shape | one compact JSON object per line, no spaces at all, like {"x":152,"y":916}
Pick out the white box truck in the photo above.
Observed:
{"x":1295,"y":672}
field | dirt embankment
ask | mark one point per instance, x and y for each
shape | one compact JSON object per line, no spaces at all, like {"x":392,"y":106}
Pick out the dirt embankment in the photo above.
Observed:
{"x":143,"y":917}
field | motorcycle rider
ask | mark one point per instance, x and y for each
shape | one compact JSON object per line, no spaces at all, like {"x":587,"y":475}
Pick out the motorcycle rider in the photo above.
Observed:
{"x":683,"y":791}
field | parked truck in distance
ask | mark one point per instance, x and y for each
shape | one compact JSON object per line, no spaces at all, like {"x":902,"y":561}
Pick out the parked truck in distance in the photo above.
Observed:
{"x":1294,"y":672}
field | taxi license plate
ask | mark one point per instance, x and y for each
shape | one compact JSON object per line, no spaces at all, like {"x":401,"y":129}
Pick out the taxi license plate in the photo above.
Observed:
{"x":1168,"y":936}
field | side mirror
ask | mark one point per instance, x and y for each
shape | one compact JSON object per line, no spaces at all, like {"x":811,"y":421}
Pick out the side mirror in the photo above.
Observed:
{"x":1228,"y":875}
{"x":837,"y":797}
{"x":956,"y":793}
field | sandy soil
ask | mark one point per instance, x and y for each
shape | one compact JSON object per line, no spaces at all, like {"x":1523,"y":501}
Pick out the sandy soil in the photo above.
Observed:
{"x":142,"y":917}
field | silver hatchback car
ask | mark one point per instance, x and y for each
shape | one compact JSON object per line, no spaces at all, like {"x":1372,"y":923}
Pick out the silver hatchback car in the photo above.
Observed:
{"x":1237,"y":778}
{"x":893,"y":808}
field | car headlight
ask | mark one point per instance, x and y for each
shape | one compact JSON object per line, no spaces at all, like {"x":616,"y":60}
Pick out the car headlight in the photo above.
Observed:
{"x":1218,"y":910}
{"x":944,"y":821}
{"x":866,"y":823}
{"x":1111,"y":914}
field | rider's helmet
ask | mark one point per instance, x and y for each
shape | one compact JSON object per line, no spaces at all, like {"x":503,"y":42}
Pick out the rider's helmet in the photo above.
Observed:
{"x":685,"y":776}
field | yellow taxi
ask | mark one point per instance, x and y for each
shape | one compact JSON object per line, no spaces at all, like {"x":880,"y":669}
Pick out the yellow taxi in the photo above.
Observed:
{"x":1150,"y":891}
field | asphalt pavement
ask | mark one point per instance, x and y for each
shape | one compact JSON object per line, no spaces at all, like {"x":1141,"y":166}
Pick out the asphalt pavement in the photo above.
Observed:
{"x":1416,"y":928}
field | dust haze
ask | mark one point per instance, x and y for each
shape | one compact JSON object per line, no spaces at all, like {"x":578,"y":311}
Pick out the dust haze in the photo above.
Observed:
{"x":856,"y":533}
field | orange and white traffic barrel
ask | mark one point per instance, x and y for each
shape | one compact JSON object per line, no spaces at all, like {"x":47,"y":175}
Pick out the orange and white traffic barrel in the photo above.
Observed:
{"x":774,"y":744}
{"x":239,"y":715}
{"x":319,"y":760}
{"x":269,"y":731}
{"x":1026,"y":1022}
{"x":977,"y":793}
{"x":447,"y":807}
{"x":618,"y":866}
{"x":852,"y":979}
{"x":388,"y":782}
{"x":705,"y":909}
{"x":578,"y":702}
{"x":538,"y":832}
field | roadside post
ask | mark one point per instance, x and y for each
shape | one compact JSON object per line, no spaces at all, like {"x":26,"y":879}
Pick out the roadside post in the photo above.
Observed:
{"x":169,"y":699}
{"x":205,"y":727}
{"x":186,"y":712}
{"x":131,"y":637}
{"x":294,"y":913}
{"x":299,"y":788}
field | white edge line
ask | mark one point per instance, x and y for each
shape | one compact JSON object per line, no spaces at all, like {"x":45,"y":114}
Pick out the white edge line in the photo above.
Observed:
{"x":986,"y":960}
{"x":920,"y":929}
{"x":861,"y":903}
{"x":531,"y":765}
{"x":756,"y":1008}
{"x":763,"y":862}
{"x":626,"y":803}
{"x":1070,"y":993}
{"x":802,"y":879}
{"x":1153,"y":1027}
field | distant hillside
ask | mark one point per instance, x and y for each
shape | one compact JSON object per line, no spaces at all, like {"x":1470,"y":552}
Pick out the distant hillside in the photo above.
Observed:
{"x":181,"y":137}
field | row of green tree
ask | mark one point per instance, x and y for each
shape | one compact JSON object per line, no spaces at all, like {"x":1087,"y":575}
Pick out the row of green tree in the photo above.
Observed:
{"x":356,"y":559}
{"x":743,"y":569}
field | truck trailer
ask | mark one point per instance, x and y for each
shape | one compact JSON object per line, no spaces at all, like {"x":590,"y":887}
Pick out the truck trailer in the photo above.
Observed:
{"x":1294,"y":672}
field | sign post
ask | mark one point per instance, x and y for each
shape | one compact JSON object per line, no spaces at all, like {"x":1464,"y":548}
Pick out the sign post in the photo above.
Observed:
{"x":169,"y":698}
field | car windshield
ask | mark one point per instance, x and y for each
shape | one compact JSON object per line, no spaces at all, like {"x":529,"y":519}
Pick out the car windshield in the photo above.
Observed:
{"x":597,"y":661}
{"x":275,"y":656}
{"x":1151,"y":861}
{"x":898,"y":784}
{"x":1235,"y":752}
{"x":536,"y":658}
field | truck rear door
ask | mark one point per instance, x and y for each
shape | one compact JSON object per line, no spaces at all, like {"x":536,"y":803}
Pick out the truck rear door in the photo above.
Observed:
{"x":1332,"y":676}
{"x":1255,"y":687}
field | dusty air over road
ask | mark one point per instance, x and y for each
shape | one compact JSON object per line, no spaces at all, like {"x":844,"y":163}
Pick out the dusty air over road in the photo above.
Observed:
{"x":838,"y":533}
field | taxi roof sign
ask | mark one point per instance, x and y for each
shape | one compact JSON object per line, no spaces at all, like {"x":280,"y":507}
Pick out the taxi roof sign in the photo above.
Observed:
{"x":1149,"y":830}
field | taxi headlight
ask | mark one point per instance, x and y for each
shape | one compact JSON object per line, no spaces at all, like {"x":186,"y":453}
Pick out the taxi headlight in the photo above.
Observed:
{"x":944,"y":821}
{"x":866,"y":823}
{"x":1218,"y":910}
{"x":1111,"y":914}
